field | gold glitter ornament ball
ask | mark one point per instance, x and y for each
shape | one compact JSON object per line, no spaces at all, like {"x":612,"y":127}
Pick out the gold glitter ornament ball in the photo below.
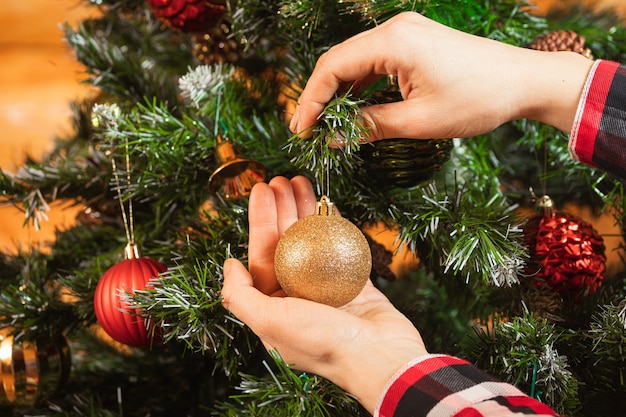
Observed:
{"x":323,"y":258}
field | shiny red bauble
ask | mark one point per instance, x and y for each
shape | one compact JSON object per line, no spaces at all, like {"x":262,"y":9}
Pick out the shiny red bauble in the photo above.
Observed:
{"x":188,"y":15}
{"x":566,"y":254}
{"x":120,"y":321}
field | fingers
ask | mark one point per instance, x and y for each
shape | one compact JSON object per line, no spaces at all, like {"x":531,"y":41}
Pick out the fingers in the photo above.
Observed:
{"x":279,"y":322}
{"x":403,"y":119}
{"x":410,"y":119}
{"x":404,"y":46}
{"x":239,"y":296}
{"x":360,"y":60}
{"x":340,"y":66}
{"x":286,"y":206}
{"x":263,"y":236}
{"x":273,"y":208}
{"x":235,"y":277}
{"x":304,"y":195}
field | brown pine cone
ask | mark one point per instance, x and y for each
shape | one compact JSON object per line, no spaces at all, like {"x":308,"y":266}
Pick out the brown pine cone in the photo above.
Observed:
{"x":561,"y":40}
{"x":381,"y":260}
{"x":216,"y":45}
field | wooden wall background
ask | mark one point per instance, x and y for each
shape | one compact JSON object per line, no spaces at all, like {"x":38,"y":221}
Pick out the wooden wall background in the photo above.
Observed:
{"x":39,"y":77}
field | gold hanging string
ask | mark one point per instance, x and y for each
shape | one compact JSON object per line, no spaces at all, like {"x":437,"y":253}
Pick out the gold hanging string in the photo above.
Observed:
{"x":325,"y":180}
{"x":130,"y":199}
{"x":129,"y":226}
{"x":217,"y":114}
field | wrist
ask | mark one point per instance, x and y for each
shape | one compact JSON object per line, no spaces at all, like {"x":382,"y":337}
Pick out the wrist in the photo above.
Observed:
{"x":552,"y":87}
{"x":371,"y":371}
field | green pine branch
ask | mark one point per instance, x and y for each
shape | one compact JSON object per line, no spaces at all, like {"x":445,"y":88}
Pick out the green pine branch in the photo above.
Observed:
{"x":165,"y":110}
{"x":31,"y":304}
{"x":185,"y":301}
{"x":604,"y":352}
{"x":283,"y":392}
{"x":472,"y":234}
{"x":523,"y":352}
{"x":129,"y":55}
{"x":340,"y":121}
{"x":77,"y":174}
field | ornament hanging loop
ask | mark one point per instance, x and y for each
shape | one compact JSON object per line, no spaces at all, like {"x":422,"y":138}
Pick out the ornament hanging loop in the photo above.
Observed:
{"x":325,"y":207}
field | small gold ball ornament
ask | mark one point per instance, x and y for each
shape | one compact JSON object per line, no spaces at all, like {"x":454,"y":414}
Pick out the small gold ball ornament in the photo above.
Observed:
{"x":323,"y":258}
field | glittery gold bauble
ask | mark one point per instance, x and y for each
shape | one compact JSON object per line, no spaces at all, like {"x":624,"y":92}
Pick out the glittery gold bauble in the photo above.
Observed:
{"x":323,"y":258}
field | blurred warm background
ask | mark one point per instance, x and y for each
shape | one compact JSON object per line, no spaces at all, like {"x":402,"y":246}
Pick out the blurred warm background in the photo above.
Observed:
{"x":39,"y":77}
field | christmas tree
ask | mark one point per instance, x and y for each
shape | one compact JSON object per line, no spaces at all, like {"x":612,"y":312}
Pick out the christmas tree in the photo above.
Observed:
{"x":121,"y":315}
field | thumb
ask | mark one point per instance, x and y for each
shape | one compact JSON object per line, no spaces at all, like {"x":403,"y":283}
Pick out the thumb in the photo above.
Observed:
{"x":411,"y":119}
{"x":239,"y":296}
{"x":236,"y":277}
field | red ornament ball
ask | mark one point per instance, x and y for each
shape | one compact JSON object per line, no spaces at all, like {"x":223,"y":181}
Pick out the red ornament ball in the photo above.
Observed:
{"x":566,"y":253}
{"x":116,"y":317}
{"x":188,"y":15}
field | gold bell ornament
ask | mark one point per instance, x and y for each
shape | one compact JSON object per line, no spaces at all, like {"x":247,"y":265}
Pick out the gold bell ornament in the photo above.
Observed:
{"x":235,"y":176}
{"x":31,"y":371}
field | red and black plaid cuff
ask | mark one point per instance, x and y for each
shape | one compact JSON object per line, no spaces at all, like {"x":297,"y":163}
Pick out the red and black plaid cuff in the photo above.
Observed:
{"x":598,"y":136}
{"x":440,"y":385}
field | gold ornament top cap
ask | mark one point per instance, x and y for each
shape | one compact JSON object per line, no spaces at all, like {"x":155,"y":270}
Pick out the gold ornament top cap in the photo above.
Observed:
{"x":545,"y":206}
{"x":325,"y":207}
{"x":131,"y":251}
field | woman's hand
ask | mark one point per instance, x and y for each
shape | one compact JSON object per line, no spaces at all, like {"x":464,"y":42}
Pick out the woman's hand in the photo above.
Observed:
{"x":359,"y":346}
{"x":453,"y":84}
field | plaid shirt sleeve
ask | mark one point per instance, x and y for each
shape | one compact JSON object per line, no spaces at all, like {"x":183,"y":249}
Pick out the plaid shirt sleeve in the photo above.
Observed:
{"x":598,"y":136}
{"x":445,"y":386}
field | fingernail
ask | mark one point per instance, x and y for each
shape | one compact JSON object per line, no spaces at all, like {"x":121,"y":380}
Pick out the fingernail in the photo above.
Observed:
{"x":293,"y":125}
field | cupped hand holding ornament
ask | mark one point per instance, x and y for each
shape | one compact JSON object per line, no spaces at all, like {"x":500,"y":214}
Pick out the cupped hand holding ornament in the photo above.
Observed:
{"x":358,"y":346}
